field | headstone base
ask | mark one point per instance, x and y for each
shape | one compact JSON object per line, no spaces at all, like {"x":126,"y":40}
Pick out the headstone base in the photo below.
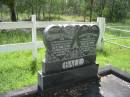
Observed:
{"x":56,"y":80}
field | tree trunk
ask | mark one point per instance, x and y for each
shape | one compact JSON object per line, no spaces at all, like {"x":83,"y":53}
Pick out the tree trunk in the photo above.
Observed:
{"x":49,"y":17}
{"x":32,"y":7}
{"x":13,"y":13}
{"x":43,"y":15}
{"x":102,"y":6}
{"x":39,"y":13}
{"x":85,"y":9}
{"x":17,"y":16}
{"x":50,"y":8}
{"x":28,"y":16}
{"x":91,"y":10}
{"x":63,"y":7}
{"x":36,"y":8}
{"x":100,"y":14}
{"x":58,"y":10}
{"x":32,"y":10}
{"x":112,"y":14}
{"x":1,"y":14}
{"x":84,"y":18}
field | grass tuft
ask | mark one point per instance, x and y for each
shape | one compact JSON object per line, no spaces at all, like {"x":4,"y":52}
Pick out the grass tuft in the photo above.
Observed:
{"x":33,"y":66}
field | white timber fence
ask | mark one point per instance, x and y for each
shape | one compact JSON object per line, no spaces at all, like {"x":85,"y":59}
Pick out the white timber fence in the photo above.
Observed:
{"x":115,"y":28}
{"x":34,"y":25}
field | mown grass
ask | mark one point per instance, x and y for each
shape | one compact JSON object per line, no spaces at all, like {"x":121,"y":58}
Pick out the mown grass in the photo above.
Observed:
{"x":14,"y":37}
{"x":16,"y":67}
{"x":116,"y":56}
{"x":113,"y":54}
{"x":18,"y":36}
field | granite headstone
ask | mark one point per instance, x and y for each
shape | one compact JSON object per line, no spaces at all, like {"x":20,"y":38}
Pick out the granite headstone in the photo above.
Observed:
{"x":70,"y":55}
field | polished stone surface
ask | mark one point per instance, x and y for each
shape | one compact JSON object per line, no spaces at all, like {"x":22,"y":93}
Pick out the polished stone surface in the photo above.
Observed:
{"x":70,"y":46}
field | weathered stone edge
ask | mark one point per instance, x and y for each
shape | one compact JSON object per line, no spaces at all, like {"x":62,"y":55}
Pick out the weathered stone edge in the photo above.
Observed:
{"x":112,"y":70}
{"x":30,"y":91}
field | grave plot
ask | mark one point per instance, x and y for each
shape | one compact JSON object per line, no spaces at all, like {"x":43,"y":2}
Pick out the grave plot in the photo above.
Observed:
{"x":70,"y":56}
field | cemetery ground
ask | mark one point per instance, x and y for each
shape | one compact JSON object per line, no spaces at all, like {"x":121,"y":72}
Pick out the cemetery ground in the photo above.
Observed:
{"x":17,"y":69}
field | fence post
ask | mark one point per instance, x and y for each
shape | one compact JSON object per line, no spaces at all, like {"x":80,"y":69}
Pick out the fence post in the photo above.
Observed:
{"x":34,"y":39}
{"x":101,"y":24}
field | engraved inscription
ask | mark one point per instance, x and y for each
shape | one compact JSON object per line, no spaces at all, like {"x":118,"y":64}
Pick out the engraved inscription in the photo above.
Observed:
{"x":71,"y":46}
{"x":72,"y":63}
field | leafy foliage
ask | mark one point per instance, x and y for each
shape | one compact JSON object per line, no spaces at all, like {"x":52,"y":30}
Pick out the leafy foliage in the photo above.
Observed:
{"x":116,"y":10}
{"x":113,"y":10}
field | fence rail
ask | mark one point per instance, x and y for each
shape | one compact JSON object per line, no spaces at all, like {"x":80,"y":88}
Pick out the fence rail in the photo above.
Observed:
{"x":20,"y":46}
{"x":34,"y":45}
{"x":117,"y":29}
{"x":124,"y":46}
{"x":39,"y":24}
{"x":118,"y":38}
{"x":112,"y":28}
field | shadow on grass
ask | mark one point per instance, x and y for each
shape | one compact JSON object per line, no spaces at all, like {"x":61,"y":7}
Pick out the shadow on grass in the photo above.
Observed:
{"x":33,"y":67}
{"x":103,"y":52}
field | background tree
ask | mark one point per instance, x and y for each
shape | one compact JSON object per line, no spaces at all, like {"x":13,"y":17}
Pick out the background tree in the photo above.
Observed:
{"x":113,"y":10}
{"x":11,"y":5}
{"x":83,"y":9}
{"x":91,"y":9}
{"x":116,"y":10}
{"x":101,"y":7}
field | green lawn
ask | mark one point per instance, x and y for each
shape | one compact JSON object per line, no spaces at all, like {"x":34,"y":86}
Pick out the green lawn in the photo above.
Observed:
{"x":116,"y":56}
{"x":113,"y":54}
{"x":16,"y":68}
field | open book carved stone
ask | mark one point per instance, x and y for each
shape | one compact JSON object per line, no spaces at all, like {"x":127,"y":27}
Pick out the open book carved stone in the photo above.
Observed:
{"x":70,"y":55}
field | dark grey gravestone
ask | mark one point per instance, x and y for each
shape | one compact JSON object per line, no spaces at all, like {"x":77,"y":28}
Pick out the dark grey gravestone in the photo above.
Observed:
{"x":70,"y":55}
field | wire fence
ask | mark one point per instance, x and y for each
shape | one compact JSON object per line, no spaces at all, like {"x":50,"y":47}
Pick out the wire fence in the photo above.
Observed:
{"x":112,"y":28}
{"x":115,"y":28}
